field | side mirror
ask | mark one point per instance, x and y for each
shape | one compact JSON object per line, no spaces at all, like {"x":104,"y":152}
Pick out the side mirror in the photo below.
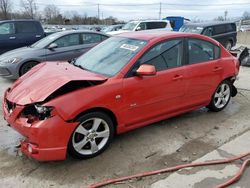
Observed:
{"x":146,"y":70}
{"x":138,"y":28}
{"x":52,"y":46}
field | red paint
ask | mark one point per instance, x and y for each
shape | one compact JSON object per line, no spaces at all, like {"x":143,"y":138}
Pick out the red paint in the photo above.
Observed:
{"x":142,"y":99}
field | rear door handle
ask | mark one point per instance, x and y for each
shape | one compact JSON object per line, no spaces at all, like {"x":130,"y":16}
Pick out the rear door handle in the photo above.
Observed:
{"x":216,"y":69}
{"x":12,"y":38}
{"x":38,"y":36}
{"x":177,"y":77}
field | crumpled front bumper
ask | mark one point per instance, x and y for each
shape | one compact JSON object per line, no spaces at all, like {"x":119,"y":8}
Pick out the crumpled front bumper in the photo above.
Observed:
{"x":45,"y":140}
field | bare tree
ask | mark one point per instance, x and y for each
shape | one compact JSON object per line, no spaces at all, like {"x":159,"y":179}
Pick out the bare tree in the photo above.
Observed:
{"x":5,"y":8}
{"x":51,"y":12}
{"x":30,"y":8}
{"x":246,"y":15}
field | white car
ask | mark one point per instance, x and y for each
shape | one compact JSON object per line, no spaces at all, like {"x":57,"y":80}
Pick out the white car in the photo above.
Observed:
{"x":143,"y":25}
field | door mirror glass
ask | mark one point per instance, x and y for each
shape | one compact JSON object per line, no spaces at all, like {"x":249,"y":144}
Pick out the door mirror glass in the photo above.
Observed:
{"x":52,"y":46}
{"x":146,"y":70}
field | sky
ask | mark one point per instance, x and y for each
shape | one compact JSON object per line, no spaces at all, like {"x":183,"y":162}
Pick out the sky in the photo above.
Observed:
{"x":149,"y":9}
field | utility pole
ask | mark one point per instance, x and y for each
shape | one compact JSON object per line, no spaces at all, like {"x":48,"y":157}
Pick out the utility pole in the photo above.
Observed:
{"x":98,"y":6}
{"x":160,"y":12}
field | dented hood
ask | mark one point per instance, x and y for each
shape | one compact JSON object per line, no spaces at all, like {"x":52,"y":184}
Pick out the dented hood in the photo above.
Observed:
{"x":46,"y":78}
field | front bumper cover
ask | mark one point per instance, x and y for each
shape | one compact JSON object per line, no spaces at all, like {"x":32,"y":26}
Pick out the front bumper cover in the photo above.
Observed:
{"x":46,"y":140}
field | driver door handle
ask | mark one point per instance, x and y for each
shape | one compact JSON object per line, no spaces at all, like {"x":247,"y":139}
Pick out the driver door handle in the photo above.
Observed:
{"x":216,"y":69}
{"x":12,"y":38}
{"x":177,"y":77}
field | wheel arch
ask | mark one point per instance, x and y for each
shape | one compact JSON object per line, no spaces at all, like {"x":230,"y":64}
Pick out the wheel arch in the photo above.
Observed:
{"x":107,"y":111}
{"x":232,"y":79}
{"x":31,"y":60}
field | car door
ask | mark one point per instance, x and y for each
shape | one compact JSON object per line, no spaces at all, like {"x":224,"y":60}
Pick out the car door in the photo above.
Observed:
{"x":204,"y":72}
{"x":8,"y":39}
{"x":152,"y":96}
{"x":27,"y":33}
{"x":67,"y":48}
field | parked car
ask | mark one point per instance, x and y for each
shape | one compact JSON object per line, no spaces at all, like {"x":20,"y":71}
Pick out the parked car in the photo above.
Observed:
{"x":61,"y":46}
{"x":224,"y":32}
{"x":112,"y":28}
{"x":143,"y":25}
{"x":126,"y":82}
{"x":18,"y":33}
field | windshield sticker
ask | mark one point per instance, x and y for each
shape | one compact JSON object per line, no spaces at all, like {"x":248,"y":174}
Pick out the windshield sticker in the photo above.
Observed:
{"x":129,"y":47}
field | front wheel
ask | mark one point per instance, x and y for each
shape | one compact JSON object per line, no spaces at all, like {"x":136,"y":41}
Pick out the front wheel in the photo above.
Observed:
{"x":92,"y":136}
{"x":221,"y":97}
{"x":27,"y":66}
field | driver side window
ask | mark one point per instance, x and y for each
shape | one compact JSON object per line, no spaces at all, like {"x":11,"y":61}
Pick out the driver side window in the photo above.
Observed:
{"x":7,"y":28}
{"x":68,"y":40}
{"x":164,"y":55}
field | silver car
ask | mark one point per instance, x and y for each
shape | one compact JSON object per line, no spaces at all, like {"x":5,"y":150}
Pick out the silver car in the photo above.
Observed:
{"x":61,"y":46}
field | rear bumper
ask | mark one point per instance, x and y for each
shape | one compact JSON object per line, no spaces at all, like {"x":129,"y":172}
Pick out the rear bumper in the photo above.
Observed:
{"x":45,"y":140}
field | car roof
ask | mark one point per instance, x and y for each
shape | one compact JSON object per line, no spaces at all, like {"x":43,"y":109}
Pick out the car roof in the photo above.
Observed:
{"x":154,"y":34}
{"x":18,"y":20}
{"x":62,"y":33}
{"x":206,"y":24}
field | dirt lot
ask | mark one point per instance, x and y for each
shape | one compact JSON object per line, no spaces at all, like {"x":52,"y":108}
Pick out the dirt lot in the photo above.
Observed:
{"x":166,"y":143}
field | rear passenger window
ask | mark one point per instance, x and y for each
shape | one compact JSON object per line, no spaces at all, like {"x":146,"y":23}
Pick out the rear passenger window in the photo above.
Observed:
{"x":26,"y":27}
{"x":202,"y":51}
{"x":89,"y":38}
{"x":156,"y":25}
{"x":231,"y":27}
{"x":219,"y":29}
{"x":164,"y":55}
{"x":7,"y":28}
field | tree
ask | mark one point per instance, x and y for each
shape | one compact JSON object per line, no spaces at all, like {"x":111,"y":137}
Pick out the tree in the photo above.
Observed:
{"x":246,"y":15}
{"x":219,"y":18}
{"x":52,"y":14}
{"x":5,"y":8}
{"x":30,"y":8}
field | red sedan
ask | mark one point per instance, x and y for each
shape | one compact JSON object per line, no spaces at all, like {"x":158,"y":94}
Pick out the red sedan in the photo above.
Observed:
{"x":128,"y":81}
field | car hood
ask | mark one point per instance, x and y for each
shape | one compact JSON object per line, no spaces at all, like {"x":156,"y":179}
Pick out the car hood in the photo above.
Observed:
{"x":46,"y":78}
{"x":20,"y":52}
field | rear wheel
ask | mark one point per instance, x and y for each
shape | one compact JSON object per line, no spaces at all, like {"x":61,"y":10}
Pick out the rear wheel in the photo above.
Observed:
{"x":92,"y":136}
{"x":221,"y":97}
{"x":228,"y":45}
{"x":27,"y":66}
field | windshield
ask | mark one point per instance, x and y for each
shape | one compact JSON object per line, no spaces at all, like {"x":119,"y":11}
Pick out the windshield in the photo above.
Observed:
{"x":45,"y":41}
{"x":130,"y":26}
{"x":110,"y":56}
{"x":191,"y":29}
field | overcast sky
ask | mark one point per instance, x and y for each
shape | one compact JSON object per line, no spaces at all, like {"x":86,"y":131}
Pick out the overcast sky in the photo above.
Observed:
{"x":207,"y":9}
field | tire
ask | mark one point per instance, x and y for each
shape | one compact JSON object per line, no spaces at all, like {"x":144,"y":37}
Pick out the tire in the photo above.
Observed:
{"x":228,"y":45}
{"x":221,"y":96}
{"x":92,"y":136}
{"x":27,"y":66}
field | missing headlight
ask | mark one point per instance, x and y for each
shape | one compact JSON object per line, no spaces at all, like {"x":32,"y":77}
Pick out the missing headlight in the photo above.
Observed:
{"x":37,"y":112}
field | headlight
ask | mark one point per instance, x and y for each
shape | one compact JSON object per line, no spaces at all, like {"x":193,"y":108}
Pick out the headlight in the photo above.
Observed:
{"x":11,"y":61}
{"x":43,"y":111}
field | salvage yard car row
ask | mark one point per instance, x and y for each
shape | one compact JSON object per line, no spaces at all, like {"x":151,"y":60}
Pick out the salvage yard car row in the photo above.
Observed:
{"x":125,"y":82}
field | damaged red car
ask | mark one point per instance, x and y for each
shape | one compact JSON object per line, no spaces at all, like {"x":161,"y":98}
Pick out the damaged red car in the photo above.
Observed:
{"x":126,"y":82}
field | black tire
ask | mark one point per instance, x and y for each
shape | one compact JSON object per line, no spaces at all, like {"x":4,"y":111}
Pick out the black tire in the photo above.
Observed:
{"x":85,"y":122}
{"x":27,"y":66}
{"x":214,"y":103}
{"x":228,"y":45}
